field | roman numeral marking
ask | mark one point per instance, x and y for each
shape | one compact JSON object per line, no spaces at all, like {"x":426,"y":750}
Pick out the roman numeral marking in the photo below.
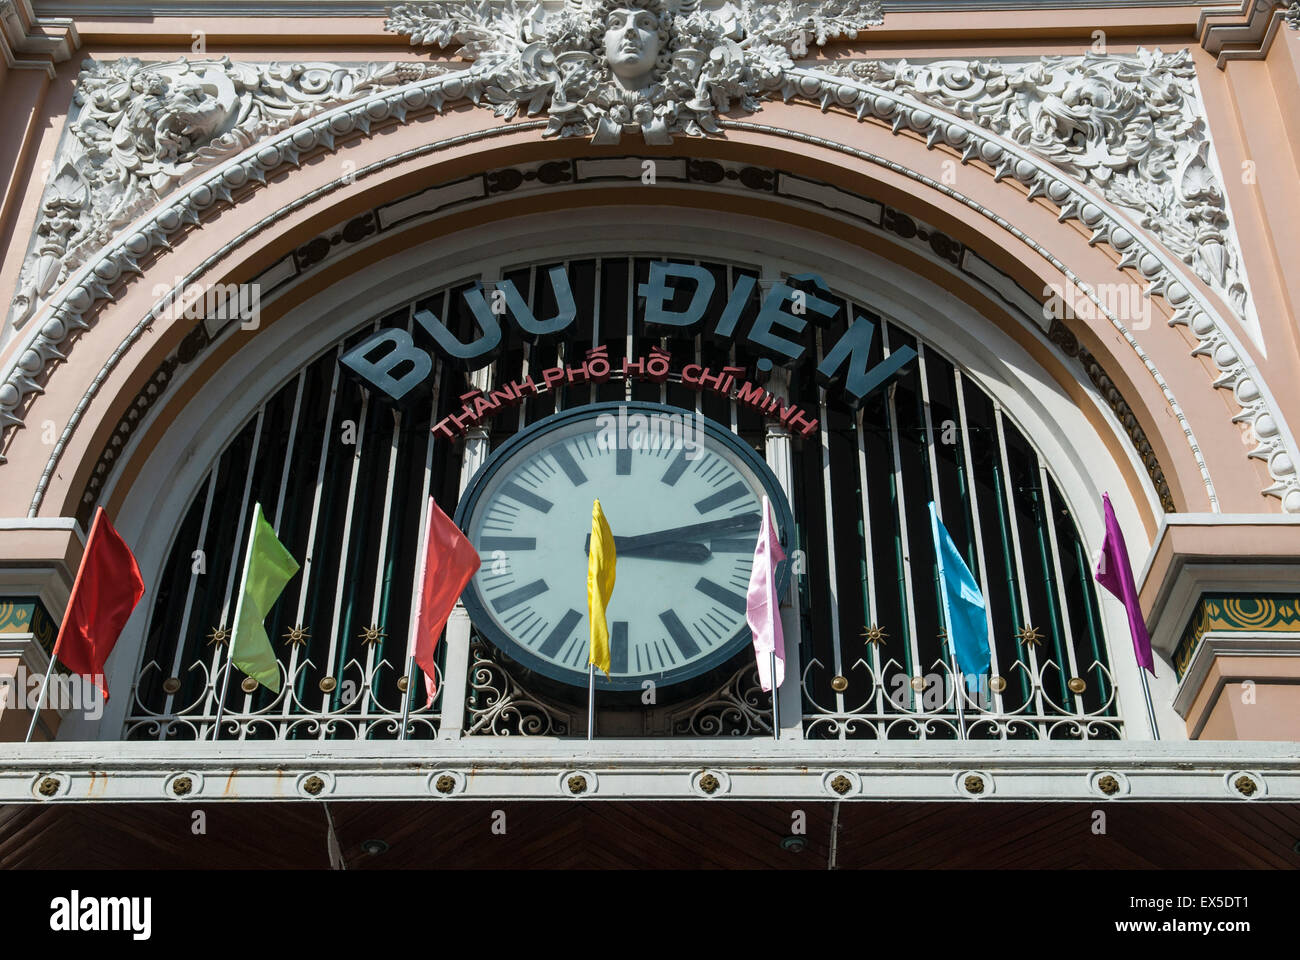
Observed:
{"x":685,"y":642}
{"x":508,"y":543}
{"x":569,"y":465}
{"x":618,"y":647}
{"x":623,"y":462}
{"x":721,"y":594}
{"x":519,"y":595}
{"x":515,"y":492}
{"x":674,"y":472}
{"x":722,"y":497}
{"x":555,"y":639}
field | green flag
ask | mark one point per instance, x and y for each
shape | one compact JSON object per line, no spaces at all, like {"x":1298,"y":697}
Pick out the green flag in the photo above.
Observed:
{"x":268,"y":568}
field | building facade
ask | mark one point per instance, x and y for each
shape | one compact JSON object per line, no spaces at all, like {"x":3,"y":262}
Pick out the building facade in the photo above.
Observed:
{"x":336,"y":259}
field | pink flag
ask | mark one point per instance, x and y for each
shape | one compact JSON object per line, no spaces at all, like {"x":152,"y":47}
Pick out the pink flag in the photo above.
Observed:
{"x":1115,"y":574}
{"x":449,"y":562}
{"x":762,"y":607}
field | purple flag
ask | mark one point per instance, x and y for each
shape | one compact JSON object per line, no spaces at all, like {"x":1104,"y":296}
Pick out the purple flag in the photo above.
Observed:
{"x":762,"y":606}
{"x":1115,"y":574}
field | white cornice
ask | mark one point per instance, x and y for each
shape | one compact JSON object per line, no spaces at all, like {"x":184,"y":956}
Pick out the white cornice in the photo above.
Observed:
{"x":539,"y":768}
{"x":352,"y":8}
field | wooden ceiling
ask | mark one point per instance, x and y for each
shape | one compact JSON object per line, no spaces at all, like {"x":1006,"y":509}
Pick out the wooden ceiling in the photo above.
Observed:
{"x":669,"y":835}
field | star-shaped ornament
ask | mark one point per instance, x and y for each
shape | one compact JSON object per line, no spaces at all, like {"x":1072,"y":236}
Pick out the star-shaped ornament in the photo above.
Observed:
{"x":1030,"y":636}
{"x":873,"y":634}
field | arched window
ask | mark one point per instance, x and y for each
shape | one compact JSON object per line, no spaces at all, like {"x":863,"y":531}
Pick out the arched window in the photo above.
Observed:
{"x":342,"y":476}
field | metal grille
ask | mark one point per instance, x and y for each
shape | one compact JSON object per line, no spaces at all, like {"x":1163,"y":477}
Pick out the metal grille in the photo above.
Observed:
{"x":343,"y":478}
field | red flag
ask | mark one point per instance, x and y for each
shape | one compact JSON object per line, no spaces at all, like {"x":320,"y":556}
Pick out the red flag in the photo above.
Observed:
{"x":107,"y":588}
{"x":449,"y":562}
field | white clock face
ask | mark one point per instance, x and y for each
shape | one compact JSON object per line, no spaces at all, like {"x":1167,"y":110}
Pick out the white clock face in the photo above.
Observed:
{"x":683,"y":498}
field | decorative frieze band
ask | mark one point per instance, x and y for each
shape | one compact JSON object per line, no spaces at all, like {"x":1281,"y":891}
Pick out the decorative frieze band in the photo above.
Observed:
{"x":182,"y":137}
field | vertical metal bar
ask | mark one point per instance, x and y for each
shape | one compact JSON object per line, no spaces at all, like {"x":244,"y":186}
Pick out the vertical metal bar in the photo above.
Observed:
{"x":631,"y":317}
{"x":279,"y":506}
{"x":381,"y":558}
{"x":357,"y":451}
{"x":913,"y":648}
{"x":1059,"y":580}
{"x":870,"y":569}
{"x":561,"y":350}
{"x":591,"y":701}
{"x":832,"y":579}
{"x":776,"y":700}
{"x":182,"y":636}
{"x":230,"y":579}
{"x":973,"y":495}
{"x":1014,"y":523}
{"x":959,"y":689}
{"x":1093,"y":631}
{"x":776,"y":448}
{"x":230,"y":666}
{"x":288,"y":450}
{"x":426,"y":484}
{"x":327,"y":431}
{"x":595,"y":314}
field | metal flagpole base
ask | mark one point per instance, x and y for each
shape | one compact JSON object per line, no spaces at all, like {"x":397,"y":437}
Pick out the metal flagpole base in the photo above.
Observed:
{"x":406,"y":700}
{"x":1151,"y":708}
{"x":776,"y":707}
{"x":45,"y":691}
{"x":591,"y":701}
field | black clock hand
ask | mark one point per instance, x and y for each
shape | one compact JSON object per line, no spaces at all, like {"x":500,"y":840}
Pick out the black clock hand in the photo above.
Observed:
{"x":693,"y":531}
{"x":681,"y":552}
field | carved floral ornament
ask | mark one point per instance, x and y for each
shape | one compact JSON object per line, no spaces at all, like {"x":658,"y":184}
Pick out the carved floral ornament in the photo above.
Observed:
{"x":1089,"y":133}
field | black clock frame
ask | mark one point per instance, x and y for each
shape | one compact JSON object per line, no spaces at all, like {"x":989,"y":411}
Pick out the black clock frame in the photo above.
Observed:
{"x":487,"y":626}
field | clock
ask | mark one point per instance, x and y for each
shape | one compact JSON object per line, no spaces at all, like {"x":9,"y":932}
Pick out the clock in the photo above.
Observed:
{"x":683,"y":496}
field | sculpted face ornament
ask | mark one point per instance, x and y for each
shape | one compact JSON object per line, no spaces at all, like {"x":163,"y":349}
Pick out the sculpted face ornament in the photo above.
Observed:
{"x":632,"y":47}
{"x":603,"y":68}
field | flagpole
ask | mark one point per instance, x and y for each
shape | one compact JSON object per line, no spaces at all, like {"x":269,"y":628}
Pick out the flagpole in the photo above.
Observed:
{"x":415,"y":615}
{"x":54,"y":651}
{"x":230,"y":642}
{"x":1151,"y":709}
{"x":45,"y":689}
{"x":591,"y":701}
{"x":961,"y":684}
{"x":406,"y":700}
{"x":776,"y":710}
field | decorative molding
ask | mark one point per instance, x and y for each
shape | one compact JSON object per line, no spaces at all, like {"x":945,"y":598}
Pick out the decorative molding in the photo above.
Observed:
{"x":29,"y":42}
{"x":973,"y":141}
{"x":1129,"y":126}
{"x":595,"y":71}
{"x":337,"y":242}
{"x":1242,"y":33}
{"x":1060,"y":335}
{"x":143,"y":130}
{"x":738,"y":708}
{"x":497,"y":705}
{"x":1236,"y":613}
{"x":515,"y":768}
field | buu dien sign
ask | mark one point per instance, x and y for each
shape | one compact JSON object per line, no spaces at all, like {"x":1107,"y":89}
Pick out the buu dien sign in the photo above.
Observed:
{"x":398,"y":368}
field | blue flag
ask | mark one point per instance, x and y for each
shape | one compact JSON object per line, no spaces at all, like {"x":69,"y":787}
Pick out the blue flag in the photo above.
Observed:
{"x":963,"y":604}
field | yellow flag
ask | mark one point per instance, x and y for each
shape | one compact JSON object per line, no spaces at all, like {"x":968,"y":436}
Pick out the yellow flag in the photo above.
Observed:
{"x":600,"y":586}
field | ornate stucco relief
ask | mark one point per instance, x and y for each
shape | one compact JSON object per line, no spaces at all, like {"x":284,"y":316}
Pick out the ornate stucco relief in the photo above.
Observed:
{"x":1130,"y":126}
{"x":616,"y":84}
{"x":143,"y":130}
